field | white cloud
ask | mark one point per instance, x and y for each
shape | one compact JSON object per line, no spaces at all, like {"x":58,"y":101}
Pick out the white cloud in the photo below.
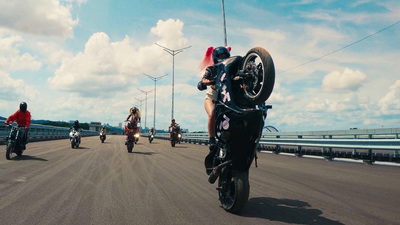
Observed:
{"x":390,"y":103}
{"x":170,"y":32}
{"x":54,"y":52}
{"x":15,"y":90}
{"x":11,"y":59}
{"x":114,"y":66}
{"x":349,"y":80}
{"x":41,"y":17}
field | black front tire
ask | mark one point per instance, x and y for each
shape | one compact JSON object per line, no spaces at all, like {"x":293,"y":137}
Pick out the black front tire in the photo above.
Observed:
{"x":235,"y":192}
{"x":130,"y":146}
{"x":257,"y":89}
{"x":9,"y":150}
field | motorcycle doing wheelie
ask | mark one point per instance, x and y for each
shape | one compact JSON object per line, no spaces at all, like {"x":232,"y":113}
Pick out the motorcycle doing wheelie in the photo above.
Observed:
{"x":243,"y":84}
{"x":74,"y":137}
{"x":14,"y":141}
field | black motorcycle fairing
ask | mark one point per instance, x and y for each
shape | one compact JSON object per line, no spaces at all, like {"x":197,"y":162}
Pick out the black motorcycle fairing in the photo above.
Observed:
{"x":238,"y":130}
{"x":239,"y":134}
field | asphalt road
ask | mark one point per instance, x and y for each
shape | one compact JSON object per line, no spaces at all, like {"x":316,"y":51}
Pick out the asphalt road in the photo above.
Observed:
{"x":158,"y":184}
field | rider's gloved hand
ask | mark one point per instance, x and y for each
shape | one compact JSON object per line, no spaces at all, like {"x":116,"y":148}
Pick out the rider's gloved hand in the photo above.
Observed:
{"x":201,"y":86}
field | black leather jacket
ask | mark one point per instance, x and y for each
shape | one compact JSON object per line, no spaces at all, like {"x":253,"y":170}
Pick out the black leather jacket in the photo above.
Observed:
{"x":210,"y":74}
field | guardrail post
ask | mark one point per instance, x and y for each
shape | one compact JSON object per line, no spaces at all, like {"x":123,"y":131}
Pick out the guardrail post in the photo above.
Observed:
{"x":329,"y":155}
{"x":277,"y":147}
{"x":323,"y":148}
{"x":299,"y":153}
{"x":396,"y":152}
{"x":354,"y":154}
{"x":370,"y":159}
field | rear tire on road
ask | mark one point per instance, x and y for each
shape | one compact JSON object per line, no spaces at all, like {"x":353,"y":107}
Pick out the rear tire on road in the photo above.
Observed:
{"x":236,"y":192}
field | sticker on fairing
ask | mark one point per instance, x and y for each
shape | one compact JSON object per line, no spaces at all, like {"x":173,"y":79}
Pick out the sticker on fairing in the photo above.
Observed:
{"x":223,"y":76}
{"x":226,"y":117}
{"x":227,"y":96}
{"x":225,"y":125}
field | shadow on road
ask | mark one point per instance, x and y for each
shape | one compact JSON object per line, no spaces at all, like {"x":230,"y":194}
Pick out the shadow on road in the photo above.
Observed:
{"x":80,"y":148}
{"x":285,"y":210}
{"x":144,"y":153}
{"x":28,"y":157}
{"x":180,"y":146}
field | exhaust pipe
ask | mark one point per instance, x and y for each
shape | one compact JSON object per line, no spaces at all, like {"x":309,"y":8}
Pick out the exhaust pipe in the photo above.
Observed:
{"x":217,"y":170}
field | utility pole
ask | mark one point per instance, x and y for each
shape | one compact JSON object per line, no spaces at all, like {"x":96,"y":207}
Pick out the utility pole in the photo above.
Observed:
{"x":145,"y":112}
{"x":173,"y":53}
{"x":155,"y":79}
{"x":224,"y":23}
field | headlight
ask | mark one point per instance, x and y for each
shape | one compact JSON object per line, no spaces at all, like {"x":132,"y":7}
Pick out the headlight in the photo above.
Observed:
{"x":137,"y":135}
{"x":179,"y":135}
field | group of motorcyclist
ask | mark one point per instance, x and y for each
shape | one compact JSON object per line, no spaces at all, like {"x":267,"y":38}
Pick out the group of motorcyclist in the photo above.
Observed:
{"x":208,"y":69}
{"x":23,"y":118}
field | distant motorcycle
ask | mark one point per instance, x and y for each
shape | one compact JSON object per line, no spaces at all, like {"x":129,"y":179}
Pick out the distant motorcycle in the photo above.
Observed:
{"x":174,"y":135}
{"x":74,"y":138}
{"x":130,"y":131}
{"x":243,"y":84}
{"x":151,"y":137}
{"x":179,"y":138}
{"x":137,"y":135}
{"x":102,"y":136}
{"x":14,"y":141}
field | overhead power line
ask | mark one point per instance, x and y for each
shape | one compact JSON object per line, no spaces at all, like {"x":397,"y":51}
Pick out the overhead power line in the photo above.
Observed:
{"x":330,"y":53}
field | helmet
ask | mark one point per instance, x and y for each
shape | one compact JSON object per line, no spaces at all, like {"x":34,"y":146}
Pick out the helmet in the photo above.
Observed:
{"x":133,"y":110}
{"x":23,"y":106}
{"x":76,"y":122}
{"x":173,"y":120}
{"x":220,"y":53}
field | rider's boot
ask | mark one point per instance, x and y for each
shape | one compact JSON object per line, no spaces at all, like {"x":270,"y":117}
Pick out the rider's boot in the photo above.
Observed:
{"x":209,"y":160}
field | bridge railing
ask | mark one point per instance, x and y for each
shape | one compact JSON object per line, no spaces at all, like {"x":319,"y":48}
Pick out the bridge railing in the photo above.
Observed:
{"x":369,"y":145}
{"x":38,"y":132}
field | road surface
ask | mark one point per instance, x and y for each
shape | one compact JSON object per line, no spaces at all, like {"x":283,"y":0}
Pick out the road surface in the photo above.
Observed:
{"x":158,"y":184}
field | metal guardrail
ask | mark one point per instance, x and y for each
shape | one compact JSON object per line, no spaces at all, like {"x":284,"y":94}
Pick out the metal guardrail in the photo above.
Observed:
{"x":38,"y":132}
{"x":368,"y":145}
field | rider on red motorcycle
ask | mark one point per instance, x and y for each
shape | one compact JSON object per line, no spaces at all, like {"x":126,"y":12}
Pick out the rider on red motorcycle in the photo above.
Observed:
{"x":210,"y":66}
{"x":23,"y":119}
{"x":134,"y":115}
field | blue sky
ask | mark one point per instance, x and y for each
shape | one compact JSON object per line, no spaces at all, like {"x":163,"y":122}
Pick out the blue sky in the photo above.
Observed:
{"x":85,"y":59}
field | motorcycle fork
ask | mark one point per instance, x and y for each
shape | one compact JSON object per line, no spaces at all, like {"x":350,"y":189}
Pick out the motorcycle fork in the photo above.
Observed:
{"x":17,"y":143}
{"x":225,"y":180}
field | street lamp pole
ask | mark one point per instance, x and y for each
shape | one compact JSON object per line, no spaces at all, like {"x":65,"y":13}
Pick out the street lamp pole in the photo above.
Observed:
{"x":173,"y":52}
{"x":155,"y":79}
{"x":224,"y":23}
{"x":145,"y":113}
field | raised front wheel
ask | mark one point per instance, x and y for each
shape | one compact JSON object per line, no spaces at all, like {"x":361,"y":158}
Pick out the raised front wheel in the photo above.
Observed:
{"x":259,"y":79}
